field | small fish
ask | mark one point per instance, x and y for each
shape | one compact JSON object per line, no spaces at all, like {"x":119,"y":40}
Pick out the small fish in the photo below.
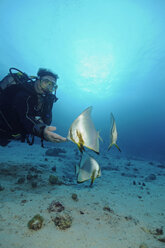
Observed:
{"x":83,"y":133}
{"x":87,"y":169}
{"x":113,"y":134}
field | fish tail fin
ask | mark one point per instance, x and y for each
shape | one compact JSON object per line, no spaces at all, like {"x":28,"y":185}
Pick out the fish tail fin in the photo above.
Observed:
{"x":91,"y":184}
{"x":117,"y":147}
{"x":114,"y":145}
{"x":98,"y":135}
{"x":110,"y":146}
{"x":92,"y":178}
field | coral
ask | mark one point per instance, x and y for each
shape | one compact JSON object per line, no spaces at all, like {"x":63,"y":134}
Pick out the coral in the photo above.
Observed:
{"x":155,"y":232}
{"x":55,"y":207}
{"x":143,"y":246}
{"x":29,"y":177}
{"x":150,"y":178}
{"x":54,"y":180}
{"x":36,"y":222}
{"x":128,"y":218}
{"x":162,"y":240}
{"x":21,"y":180}
{"x":34,"y":184}
{"x":54,"y":168}
{"x":129,"y":163}
{"x":63,"y":222}
{"x":108,"y":209}
{"x":159,"y":231}
{"x":1,"y":188}
{"x":23,"y":201}
{"x":56,"y":152}
{"x":75,"y":197}
{"x":162,"y":166}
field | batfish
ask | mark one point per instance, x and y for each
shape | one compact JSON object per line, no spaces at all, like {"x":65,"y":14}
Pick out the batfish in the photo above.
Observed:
{"x":113,"y":134}
{"x":83,"y":133}
{"x":87,"y":169}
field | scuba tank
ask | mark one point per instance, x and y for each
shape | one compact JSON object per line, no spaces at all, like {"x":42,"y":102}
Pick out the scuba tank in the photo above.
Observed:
{"x":17,"y":77}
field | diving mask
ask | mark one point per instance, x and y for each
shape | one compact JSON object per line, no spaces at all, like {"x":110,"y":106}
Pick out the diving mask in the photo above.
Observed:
{"x":48,"y":84}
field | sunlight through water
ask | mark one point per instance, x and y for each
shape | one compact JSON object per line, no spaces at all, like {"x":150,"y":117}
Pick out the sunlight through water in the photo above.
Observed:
{"x":94,"y":67}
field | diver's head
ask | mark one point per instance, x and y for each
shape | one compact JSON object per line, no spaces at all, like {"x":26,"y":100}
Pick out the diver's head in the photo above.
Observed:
{"x":47,"y":81}
{"x":48,"y":84}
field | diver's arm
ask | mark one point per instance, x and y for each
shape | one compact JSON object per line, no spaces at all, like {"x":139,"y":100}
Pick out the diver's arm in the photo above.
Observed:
{"x":24,"y":105}
{"x":49,"y":135}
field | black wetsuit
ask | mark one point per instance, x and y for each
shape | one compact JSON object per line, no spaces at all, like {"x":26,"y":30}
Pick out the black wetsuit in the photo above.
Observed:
{"x":23,"y":112}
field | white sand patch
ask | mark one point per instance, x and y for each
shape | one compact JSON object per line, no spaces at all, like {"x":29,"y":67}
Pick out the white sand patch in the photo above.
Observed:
{"x":122,"y":210}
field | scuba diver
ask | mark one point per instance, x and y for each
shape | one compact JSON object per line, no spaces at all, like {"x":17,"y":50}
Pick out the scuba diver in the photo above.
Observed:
{"x":26,"y":107}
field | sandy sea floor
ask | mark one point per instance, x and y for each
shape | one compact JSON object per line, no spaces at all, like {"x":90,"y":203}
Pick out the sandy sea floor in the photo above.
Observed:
{"x":125,"y":208}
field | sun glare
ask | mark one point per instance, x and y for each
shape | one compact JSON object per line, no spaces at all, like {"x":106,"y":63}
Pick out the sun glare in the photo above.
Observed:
{"x":94,"y":69}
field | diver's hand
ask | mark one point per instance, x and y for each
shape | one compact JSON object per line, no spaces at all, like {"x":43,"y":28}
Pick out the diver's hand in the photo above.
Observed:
{"x":52,"y":137}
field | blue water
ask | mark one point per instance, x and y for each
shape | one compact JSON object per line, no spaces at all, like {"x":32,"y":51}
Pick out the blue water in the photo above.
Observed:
{"x":108,"y":54}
